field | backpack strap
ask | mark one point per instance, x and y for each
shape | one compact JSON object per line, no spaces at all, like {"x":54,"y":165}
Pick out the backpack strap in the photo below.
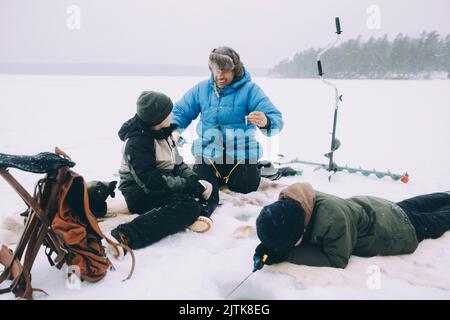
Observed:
{"x":133,"y":258}
{"x":94,"y":225}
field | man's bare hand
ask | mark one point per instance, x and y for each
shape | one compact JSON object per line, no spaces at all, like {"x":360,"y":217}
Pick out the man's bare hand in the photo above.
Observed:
{"x":257,"y":118}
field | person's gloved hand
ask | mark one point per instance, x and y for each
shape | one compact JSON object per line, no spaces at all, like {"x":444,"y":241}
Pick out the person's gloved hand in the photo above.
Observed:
{"x":272,"y":256}
{"x":258,"y":263}
{"x":193,"y":186}
{"x":199,"y":188}
{"x":208,"y":189}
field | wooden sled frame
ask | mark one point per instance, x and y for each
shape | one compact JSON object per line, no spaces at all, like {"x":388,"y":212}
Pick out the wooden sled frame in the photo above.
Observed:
{"x":42,"y":209}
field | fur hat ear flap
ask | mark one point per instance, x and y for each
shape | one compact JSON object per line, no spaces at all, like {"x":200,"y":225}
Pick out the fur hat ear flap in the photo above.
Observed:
{"x":226,"y":59}
{"x":221,"y":62}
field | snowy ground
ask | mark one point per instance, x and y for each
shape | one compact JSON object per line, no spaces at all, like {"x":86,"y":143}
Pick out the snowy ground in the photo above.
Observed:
{"x":396,"y":125}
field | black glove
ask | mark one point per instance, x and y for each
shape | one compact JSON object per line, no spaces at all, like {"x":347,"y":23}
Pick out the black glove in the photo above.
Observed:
{"x":272,"y":256}
{"x":198,"y":191}
{"x":195,"y":187}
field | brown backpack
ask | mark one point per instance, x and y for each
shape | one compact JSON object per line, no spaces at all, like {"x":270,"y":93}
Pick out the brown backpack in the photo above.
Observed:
{"x":59,"y":218}
{"x":76,"y":226}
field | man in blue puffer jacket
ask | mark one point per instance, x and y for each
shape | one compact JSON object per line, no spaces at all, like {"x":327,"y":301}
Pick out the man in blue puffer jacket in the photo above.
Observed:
{"x":230,"y":106}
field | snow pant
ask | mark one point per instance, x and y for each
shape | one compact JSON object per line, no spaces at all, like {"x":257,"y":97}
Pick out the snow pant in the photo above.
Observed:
{"x":429,"y":214}
{"x":179,"y":211}
{"x":244,"y":178}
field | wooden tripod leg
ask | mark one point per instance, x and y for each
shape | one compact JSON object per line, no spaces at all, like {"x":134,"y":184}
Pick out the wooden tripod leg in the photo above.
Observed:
{"x":57,"y":246}
{"x":36,"y":230}
{"x":35,"y":215}
{"x":30,"y":228}
{"x":50,"y":203}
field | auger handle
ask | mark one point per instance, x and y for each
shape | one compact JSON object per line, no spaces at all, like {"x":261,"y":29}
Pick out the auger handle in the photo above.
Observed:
{"x":319,"y":67}
{"x":338,"y":31}
{"x":338,"y":25}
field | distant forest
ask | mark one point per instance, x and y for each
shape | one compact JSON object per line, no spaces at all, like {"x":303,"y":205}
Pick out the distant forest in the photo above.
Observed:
{"x":425,"y":57}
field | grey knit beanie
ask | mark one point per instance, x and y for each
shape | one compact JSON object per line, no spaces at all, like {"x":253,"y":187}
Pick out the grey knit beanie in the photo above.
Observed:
{"x":153,"y":107}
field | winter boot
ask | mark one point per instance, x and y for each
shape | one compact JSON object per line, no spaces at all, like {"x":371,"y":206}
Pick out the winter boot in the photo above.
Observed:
{"x":201,"y":225}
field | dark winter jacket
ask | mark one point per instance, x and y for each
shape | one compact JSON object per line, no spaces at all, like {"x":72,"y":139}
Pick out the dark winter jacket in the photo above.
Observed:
{"x":151,"y":167}
{"x":363,"y":226}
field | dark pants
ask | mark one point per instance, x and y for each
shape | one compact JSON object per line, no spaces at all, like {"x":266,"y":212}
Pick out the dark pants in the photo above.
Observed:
{"x":175,"y":215}
{"x":245,"y":178}
{"x":429,"y":214}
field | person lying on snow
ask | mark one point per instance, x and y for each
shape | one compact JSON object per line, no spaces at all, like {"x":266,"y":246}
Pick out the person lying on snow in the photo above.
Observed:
{"x":308,"y":227}
{"x":154,"y":180}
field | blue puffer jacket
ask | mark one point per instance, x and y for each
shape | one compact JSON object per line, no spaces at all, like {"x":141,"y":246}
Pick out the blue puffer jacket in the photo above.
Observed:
{"x":222,"y":125}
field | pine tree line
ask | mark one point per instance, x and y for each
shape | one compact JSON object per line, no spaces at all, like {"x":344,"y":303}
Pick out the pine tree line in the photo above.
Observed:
{"x":376,"y":58}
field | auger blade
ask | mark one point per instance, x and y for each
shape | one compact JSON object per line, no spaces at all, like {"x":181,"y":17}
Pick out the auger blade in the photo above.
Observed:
{"x":336,"y":144}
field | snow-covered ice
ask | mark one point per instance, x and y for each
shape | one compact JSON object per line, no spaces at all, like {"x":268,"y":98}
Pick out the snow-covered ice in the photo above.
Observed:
{"x":396,"y":125}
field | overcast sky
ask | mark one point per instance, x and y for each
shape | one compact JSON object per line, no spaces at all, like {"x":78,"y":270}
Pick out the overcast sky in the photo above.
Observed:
{"x":183,"y":32}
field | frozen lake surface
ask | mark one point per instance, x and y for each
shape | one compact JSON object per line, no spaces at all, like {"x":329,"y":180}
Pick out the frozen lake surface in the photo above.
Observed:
{"x":396,"y":125}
